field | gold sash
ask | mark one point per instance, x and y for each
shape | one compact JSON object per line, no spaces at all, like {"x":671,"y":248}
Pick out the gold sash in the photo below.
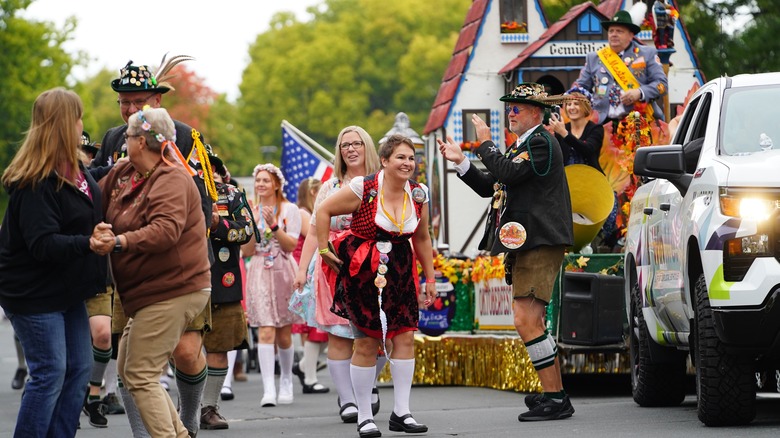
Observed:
{"x":618,"y":69}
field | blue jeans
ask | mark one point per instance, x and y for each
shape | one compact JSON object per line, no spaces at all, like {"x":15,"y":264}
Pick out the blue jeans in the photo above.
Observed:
{"x":58,"y":350}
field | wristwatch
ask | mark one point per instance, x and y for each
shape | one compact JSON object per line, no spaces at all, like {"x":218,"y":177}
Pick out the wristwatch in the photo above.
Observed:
{"x":117,"y":245}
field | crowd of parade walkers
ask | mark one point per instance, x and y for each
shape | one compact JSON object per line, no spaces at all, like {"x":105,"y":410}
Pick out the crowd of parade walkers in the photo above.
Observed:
{"x":133,"y":262}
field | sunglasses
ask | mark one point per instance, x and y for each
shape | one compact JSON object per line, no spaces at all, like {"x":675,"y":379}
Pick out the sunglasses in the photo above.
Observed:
{"x":513,"y":109}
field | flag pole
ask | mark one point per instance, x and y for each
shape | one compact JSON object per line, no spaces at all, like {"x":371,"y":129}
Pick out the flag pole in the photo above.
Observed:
{"x":326,"y":153}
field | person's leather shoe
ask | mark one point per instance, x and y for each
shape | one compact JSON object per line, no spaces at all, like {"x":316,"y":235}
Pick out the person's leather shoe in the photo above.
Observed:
{"x":370,"y":433}
{"x":549,"y":410}
{"x":238,"y":374}
{"x":375,"y":405}
{"x":226,"y":393}
{"x":211,"y":419}
{"x":350,"y":417}
{"x":317,"y":388}
{"x":399,"y":424}
{"x":296,"y":369}
{"x":18,"y":381}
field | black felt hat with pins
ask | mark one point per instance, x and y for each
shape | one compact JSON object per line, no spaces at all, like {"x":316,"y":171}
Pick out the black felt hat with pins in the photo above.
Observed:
{"x":141,"y":78}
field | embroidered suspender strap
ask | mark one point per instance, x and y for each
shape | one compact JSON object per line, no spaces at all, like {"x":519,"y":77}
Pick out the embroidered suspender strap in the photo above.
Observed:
{"x":618,"y":69}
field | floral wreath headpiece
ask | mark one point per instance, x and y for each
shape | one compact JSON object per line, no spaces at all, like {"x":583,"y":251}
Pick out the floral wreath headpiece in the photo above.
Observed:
{"x":165,"y":144}
{"x":270,"y":168}
{"x":580,"y":90}
{"x":146,"y":126}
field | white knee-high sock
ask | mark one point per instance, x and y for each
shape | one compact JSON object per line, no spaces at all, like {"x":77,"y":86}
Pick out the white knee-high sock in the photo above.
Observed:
{"x":265,"y":357}
{"x":403,"y":373}
{"x":340,"y":374}
{"x":311,"y":351}
{"x":286,"y":357}
{"x":362,"y":383}
{"x":231,"y":366}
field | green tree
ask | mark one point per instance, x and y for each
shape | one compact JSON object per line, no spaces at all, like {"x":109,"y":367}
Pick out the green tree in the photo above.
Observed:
{"x":32,"y":61}
{"x":100,"y":108}
{"x":356,"y":62}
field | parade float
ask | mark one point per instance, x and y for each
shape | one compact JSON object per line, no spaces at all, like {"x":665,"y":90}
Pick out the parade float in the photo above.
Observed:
{"x":468,"y":336}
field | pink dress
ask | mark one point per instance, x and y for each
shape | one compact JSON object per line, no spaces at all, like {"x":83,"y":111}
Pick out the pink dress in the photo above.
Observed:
{"x":271,"y":273}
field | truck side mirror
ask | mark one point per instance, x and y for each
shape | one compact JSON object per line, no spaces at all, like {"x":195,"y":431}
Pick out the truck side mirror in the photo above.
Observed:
{"x":667,"y":162}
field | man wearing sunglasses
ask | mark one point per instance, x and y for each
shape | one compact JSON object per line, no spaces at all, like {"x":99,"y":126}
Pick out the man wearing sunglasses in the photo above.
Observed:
{"x":137,"y":87}
{"x":530,"y":221}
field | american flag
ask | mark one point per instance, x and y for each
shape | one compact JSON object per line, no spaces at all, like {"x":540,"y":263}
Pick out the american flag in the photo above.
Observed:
{"x":299,"y":161}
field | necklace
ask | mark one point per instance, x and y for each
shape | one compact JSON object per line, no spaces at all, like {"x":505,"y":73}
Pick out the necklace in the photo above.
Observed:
{"x":138,"y":177}
{"x":389,"y":216}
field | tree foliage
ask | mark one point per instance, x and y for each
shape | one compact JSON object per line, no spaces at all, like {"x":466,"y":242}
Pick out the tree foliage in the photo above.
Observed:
{"x":357,"y":62}
{"x":32,"y":61}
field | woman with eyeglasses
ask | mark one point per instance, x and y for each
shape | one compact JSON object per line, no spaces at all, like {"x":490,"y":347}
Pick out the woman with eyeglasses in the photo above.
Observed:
{"x":159,"y":261}
{"x":269,"y":280}
{"x":356,"y":157}
{"x":50,"y":262}
{"x":377,"y":282}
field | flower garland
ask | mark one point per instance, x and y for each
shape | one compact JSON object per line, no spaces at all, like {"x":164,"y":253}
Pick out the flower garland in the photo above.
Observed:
{"x":270,"y":168}
{"x":633,"y":132}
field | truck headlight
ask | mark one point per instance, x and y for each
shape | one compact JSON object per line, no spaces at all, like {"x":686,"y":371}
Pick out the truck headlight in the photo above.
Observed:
{"x":748,"y":207}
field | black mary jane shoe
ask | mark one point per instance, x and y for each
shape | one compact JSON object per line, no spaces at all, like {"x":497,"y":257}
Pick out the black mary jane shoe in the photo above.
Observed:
{"x":351,"y":417}
{"x":317,"y":388}
{"x":296,"y":369}
{"x":370,"y":433}
{"x":397,"y":424}
{"x":375,"y":406}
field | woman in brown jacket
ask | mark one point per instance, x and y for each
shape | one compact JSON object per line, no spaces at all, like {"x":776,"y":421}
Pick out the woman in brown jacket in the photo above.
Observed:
{"x":160,"y":260}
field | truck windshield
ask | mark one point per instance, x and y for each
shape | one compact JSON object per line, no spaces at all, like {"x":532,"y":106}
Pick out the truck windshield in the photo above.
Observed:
{"x":749,"y":121}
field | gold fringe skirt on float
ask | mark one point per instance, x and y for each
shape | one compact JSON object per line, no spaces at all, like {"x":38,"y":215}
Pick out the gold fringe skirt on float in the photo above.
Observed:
{"x":495,"y":361}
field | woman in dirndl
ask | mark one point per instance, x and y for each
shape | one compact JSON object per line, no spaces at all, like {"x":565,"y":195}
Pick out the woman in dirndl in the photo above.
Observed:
{"x":270,"y":278}
{"x":377,"y":282}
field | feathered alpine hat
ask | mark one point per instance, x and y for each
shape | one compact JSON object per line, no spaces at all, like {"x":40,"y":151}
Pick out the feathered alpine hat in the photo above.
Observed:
{"x":529,"y":93}
{"x":630,"y":19}
{"x":140,"y":77}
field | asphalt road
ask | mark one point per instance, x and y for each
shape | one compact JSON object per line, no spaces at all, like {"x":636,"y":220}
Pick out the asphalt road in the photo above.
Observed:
{"x":603,"y":404}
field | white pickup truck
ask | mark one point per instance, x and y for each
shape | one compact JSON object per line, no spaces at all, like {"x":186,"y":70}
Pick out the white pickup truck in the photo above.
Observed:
{"x":702,"y":273}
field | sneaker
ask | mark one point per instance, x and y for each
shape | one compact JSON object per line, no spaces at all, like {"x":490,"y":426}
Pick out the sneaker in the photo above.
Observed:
{"x":533,"y":400}
{"x":226,"y":393}
{"x":549,"y":410}
{"x":112,"y":404}
{"x":96,"y":413}
{"x":268,"y":400}
{"x":285,"y":392}
{"x":211,"y":419}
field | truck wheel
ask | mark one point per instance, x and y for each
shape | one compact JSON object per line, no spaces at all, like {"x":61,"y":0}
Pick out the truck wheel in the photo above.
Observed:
{"x":652,"y":383}
{"x":724,"y":382}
